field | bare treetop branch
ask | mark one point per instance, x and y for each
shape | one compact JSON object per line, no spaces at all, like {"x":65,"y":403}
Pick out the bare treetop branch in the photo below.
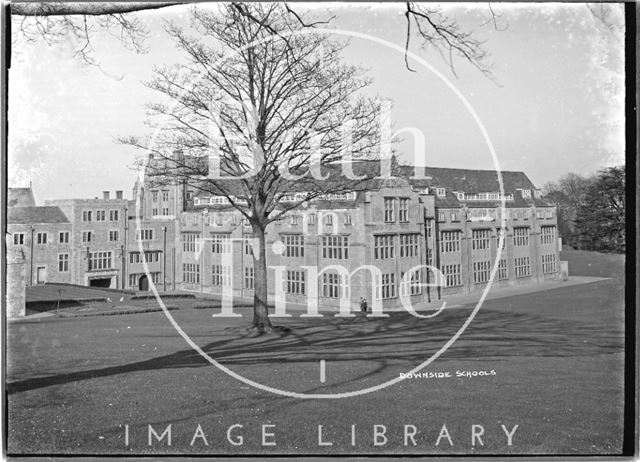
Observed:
{"x":83,"y":8}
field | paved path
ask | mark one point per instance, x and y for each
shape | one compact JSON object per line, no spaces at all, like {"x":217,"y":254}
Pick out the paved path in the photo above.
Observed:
{"x":453,"y":301}
{"x":53,"y":292}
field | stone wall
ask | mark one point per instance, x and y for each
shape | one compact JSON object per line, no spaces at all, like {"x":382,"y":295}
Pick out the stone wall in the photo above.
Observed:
{"x":16,"y":273}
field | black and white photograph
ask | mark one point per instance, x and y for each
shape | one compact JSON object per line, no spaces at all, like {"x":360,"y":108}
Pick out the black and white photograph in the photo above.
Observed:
{"x":332,"y":229}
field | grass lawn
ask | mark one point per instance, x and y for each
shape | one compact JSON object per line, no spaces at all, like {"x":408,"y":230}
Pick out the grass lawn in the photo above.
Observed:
{"x":74,"y":383}
{"x":586,"y":263}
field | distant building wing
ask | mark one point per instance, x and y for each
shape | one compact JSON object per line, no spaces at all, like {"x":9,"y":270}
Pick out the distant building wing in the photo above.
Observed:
{"x":20,"y":197}
{"x":32,"y":215}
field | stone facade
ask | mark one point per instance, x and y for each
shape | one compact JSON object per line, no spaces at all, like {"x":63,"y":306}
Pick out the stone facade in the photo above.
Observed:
{"x":375,"y":244}
{"x":468,"y":221}
{"x":42,"y":235}
{"x":321,"y":236}
{"x":16,"y":275}
{"x":452,"y":224}
{"x":97,"y":240}
{"x":151,"y":255}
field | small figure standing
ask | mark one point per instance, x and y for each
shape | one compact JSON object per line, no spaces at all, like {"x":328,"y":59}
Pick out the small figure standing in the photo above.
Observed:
{"x":363,"y":305}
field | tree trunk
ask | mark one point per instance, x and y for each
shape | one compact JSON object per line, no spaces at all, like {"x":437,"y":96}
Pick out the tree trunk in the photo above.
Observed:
{"x":261,"y":321}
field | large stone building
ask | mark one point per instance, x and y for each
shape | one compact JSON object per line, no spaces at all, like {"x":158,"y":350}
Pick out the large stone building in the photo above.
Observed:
{"x":447,"y":218}
{"x":93,"y":242}
{"x":179,"y":238}
{"x":97,"y":239}
{"x":464,"y":231}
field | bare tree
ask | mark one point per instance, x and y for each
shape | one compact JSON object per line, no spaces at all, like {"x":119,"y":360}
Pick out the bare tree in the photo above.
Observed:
{"x":277,"y":98}
{"x":57,"y":21}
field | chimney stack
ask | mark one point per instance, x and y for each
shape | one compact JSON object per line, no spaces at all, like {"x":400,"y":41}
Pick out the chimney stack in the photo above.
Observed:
{"x":119,"y":195}
{"x":105,"y":195}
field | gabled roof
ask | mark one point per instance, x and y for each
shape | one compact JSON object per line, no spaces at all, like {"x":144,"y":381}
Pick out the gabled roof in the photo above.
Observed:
{"x":20,"y":197}
{"x":451,"y":201}
{"x":471,"y":182}
{"x":452,"y":179}
{"x":34,"y":215}
{"x":455,"y":179}
{"x":335,"y":181}
{"x":467,"y":180}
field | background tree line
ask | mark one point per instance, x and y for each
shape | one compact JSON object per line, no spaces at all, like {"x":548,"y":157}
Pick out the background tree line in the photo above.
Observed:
{"x":591,"y":209}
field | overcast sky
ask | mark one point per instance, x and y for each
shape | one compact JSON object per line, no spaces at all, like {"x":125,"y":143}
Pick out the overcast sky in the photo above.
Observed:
{"x":557,"y":106}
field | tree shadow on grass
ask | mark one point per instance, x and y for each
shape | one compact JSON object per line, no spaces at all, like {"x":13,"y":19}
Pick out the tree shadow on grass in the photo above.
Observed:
{"x":397,"y":339}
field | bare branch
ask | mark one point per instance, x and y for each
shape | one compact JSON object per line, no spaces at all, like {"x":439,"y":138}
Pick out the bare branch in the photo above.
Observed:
{"x":407,"y":15}
{"x":445,"y":34}
{"x":302,"y":22}
{"x":26,"y":8}
{"x":55,"y":22}
{"x":494,"y":19}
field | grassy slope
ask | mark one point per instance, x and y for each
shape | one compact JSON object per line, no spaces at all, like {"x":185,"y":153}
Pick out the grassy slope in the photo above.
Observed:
{"x":557,"y":355}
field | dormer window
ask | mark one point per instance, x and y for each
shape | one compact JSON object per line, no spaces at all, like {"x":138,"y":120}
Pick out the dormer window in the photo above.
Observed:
{"x":218,"y":200}
{"x":460,"y":196}
{"x":526,"y":194}
{"x":196,"y":201}
{"x":440,"y":192}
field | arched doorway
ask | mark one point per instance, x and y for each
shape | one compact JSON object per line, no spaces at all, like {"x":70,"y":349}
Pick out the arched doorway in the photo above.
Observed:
{"x":143,"y":283}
